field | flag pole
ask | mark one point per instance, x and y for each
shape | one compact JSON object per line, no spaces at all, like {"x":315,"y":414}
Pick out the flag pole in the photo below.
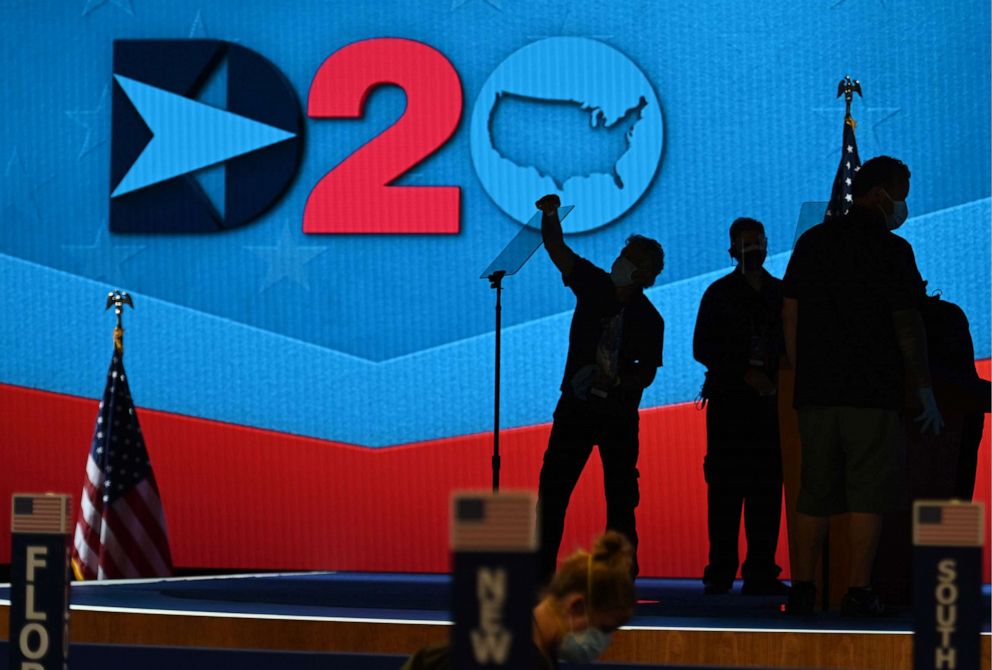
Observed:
{"x":118,"y":299}
{"x":840,"y":196}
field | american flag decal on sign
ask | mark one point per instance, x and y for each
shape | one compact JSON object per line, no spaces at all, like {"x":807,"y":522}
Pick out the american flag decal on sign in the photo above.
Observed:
{"x":942,"y":523}
{"x":488,"y":522}
{"x":40,"y":513}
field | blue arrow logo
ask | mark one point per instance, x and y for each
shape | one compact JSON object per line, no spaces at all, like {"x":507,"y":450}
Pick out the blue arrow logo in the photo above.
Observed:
{"x":187,"y":135}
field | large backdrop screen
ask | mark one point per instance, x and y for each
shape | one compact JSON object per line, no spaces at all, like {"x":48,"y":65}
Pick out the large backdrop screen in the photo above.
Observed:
{"x":301,"y":198}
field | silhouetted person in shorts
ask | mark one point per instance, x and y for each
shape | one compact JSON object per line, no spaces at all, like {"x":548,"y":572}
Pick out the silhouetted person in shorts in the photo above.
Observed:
{"x":854,"y":333}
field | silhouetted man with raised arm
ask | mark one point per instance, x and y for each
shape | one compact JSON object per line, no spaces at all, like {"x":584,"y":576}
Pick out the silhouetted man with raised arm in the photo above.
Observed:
{"x":614,"y":349}
{"x":854,"y":334}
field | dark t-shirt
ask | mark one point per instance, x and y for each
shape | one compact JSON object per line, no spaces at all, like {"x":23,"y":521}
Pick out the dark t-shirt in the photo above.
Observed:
{"x":641,"y":332}
{"x":738,"y":327}
{"x":848,"y":277}
{"x":951,"y":353}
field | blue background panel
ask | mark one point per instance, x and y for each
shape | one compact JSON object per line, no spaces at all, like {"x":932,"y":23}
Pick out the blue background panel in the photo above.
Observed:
{"x":379,"y":340}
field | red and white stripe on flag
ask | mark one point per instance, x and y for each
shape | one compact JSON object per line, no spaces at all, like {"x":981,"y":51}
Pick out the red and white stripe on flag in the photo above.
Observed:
{"x":948,"y":523}
{"x":121,"y":539}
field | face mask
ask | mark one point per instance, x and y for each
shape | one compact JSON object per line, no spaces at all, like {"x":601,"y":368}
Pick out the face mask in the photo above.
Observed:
{"x":752,"y":257}
{"x":585,"y":646}
{"x":899,"y":212}
{"x":622,"y":273}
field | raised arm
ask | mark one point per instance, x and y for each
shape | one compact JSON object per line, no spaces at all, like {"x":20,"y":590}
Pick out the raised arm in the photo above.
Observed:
{"x":554,"y":239}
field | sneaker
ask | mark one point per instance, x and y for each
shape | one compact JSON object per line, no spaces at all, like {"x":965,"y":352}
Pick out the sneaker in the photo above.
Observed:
{"x":717,"y":588}
{"x":764,"y":587}
{"x":802,"y":599}
{"x":862,"y":603}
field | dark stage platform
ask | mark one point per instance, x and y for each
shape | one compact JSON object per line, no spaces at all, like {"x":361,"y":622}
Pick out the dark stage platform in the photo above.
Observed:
{"x":388,"y":615}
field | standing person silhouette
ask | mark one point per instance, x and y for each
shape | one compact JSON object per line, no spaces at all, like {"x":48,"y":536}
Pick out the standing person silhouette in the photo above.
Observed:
{"x":738,"y":338}
{"x":855,"y":336}
{"x":614,"y":349}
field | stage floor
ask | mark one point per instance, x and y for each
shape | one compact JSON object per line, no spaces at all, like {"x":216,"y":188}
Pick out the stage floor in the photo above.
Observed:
{"x":396,"y":613}
{"x":663,"y":603}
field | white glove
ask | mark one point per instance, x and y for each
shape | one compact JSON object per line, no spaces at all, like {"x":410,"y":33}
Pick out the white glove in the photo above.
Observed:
{"x":930,"y":417}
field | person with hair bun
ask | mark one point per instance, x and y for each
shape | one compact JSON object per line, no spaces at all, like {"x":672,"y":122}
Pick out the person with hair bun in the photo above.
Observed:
{"x":590,"y":596}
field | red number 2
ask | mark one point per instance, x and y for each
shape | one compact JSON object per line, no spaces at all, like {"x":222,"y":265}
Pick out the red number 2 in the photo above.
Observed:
{"x":355,"y":196}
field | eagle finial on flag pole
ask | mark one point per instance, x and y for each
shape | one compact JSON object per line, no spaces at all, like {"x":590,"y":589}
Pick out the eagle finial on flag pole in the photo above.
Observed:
{"x":848,"y":87}
{"x":118,"y":299}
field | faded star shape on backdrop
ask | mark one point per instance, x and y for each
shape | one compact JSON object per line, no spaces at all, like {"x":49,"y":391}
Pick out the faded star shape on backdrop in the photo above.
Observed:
{"x":455,"y":4}
{"x":869,"y":119}
{"x":95,"y":121}
{"x":102,"y":259}
{"x":838,"y":3}
{"x":287,"y":259}
{"x":93,"y":5}
{"x":198,"y":29}
{"x":17,"y":189}
{"x":563,"y":31}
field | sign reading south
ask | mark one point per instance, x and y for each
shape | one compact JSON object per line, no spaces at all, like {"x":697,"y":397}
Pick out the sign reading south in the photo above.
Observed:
{"x":206,"y":136}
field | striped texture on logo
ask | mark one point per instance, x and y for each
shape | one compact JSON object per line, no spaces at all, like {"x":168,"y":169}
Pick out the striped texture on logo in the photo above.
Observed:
{"x":488,"y":522}
{"x":947,"y":524}
{"x":40,"y":513}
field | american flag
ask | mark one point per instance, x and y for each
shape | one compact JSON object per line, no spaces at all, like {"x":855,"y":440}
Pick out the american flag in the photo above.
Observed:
{"x":947,"y":524}
{"x":840,"y":196}
{"x":494,"y":522}
{"x":120,"y":532}
{"x":48,"y":514}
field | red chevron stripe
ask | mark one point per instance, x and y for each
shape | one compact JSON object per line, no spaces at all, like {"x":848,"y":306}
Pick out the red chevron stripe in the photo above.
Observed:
{"x":241,"y":498}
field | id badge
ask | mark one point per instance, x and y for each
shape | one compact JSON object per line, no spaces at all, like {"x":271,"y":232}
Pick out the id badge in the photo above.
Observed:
{"x":756,"y":357}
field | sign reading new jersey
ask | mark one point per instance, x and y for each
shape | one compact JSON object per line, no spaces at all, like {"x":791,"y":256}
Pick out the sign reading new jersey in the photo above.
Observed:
{"x":206,"y":136}
{"x":494,"y":539}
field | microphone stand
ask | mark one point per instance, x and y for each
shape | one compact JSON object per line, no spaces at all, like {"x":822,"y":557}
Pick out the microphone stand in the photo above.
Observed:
{"x":496,"y":282}
{"x":508,"y":262}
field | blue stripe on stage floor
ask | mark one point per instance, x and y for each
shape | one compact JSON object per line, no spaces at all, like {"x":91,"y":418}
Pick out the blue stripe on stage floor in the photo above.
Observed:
{"x":671,"y":603}
{"x":121,"y":657}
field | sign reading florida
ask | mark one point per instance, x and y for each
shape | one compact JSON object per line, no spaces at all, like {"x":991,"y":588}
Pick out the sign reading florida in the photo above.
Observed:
{"x":608,"y":87}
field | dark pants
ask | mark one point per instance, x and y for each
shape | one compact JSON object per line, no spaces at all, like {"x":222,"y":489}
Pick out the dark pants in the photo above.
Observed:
{"x":971,"y":439}
{"x":574,"y":433}
{"x":761,"y":500}
{"x":743,"y":469}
